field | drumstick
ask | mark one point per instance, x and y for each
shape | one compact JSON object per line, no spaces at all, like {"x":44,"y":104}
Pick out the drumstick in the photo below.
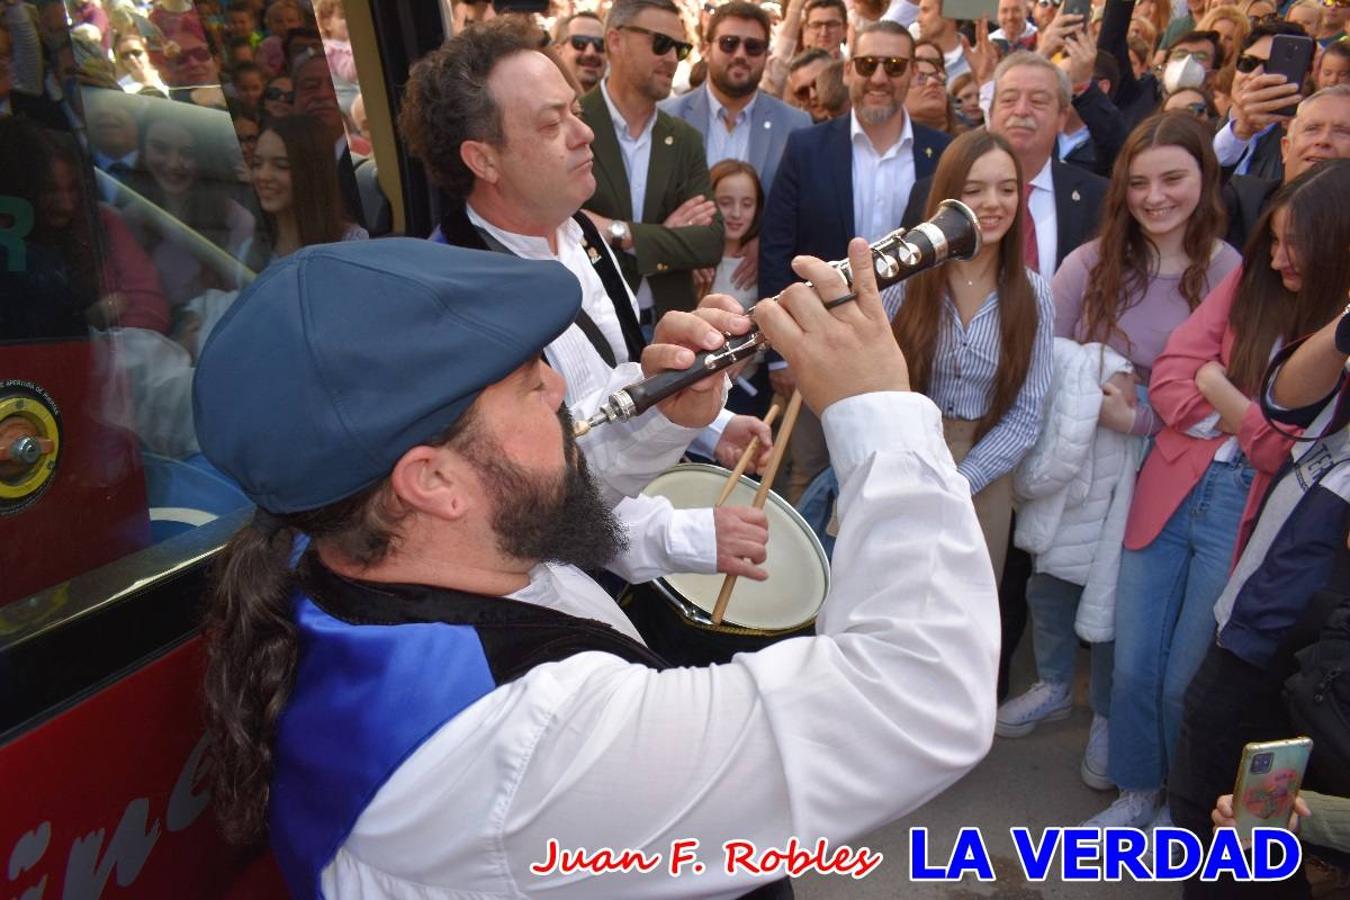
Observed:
{"x":770,"y":472}
{"x":746,"y":456}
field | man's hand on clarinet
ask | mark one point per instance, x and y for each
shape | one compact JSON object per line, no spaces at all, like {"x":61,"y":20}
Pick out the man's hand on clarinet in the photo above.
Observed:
{"x":676,"y":340}
{"x":840,"y":352}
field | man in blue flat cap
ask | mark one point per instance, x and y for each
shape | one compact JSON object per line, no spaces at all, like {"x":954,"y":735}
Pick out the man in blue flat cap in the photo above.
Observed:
{"x":413,"y":689}
{"x":515,"y":161}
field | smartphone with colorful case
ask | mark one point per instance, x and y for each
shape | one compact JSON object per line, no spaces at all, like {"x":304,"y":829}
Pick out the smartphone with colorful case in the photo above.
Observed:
{"x":1268,"y":780}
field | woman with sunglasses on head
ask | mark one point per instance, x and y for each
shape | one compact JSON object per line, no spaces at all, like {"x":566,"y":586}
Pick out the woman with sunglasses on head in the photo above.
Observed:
{"x":977,"y":334}
{"x":1199,"y":102}
{"x":1158,"y":255}
{"x":927,"y":102}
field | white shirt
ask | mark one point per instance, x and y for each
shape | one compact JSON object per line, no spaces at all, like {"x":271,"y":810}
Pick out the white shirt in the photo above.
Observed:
{"x":1041,"y":204}
{"x":828,"y":736}
{"x":1027,"y":31}
{"x":1232,"y":151}
{"x":637,"y":158}
{"x":661,"y":539}
{"x":881,"y":182}
{"x":723,"y":144}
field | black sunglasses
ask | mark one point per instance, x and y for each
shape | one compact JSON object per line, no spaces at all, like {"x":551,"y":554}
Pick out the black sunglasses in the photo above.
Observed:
{"x":728,"y":43}
{"x":895,"y":66}
{"x":273,"y":93}
{"x":580,"y":42}
{"x":1247,"y":63}
{"x":662,"y":43}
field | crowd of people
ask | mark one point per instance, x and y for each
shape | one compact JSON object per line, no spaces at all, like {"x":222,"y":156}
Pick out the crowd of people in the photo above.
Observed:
{"x":1137,"y":385}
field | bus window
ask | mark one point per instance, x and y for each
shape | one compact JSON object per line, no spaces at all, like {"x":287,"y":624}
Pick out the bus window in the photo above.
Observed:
{"x":151,"y":166}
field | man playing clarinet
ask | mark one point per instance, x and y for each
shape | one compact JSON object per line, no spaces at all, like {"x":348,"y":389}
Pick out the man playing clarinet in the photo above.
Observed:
{"x":427,"y":696}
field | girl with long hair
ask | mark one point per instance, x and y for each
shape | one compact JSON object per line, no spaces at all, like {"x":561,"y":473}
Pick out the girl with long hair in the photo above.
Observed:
{"x":977,"y":335}
{"x":1202,"y":483}
{"x":740,"y":199}
{"x":1158,"y":255}
{"x":295,"y":177}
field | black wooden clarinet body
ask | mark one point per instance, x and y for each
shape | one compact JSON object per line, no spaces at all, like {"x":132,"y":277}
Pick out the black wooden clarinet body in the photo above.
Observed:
{"x":952,"y":233}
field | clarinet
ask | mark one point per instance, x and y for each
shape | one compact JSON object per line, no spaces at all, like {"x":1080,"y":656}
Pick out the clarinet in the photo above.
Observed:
{"x":952,"y":233}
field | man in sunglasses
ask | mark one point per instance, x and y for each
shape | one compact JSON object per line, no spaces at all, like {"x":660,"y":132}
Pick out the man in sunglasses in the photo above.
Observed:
{"x":1250,"y":143}
{"x":653,"y":199}
{"x":580,"y":44}
{"x":843,"y":178}
{"x":737,"y":119}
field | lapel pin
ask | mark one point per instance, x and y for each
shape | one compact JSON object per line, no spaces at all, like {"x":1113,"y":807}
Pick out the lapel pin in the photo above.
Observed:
{"x":590,"y":251}
{"x":669,"y":140}
{"x":1075,"y":197}
{"x":768,"y":124}
{"x":928,"y":152}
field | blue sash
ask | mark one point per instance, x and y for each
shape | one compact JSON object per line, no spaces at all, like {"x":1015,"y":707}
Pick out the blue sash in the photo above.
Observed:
{"x":365,"y":698}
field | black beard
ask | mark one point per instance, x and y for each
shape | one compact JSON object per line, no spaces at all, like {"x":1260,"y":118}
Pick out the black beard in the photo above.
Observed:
{"x":564,"y":521}
{"x":734,"y":90}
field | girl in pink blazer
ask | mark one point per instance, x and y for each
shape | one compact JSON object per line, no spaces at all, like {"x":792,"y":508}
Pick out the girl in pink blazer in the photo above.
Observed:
{"x":1208,"y":471}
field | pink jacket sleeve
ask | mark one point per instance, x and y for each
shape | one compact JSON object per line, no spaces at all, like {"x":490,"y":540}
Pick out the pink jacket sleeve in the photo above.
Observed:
{"x":1201,"y":338}
{"x":127,"y":269}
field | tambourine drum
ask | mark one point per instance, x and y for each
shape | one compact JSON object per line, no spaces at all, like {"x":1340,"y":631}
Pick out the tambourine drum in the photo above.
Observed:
{"x":674,"y":614}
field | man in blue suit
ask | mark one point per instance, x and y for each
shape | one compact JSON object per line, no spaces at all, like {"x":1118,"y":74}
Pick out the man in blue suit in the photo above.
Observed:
{"x":735,"y":118}
{"x":842,"y":178}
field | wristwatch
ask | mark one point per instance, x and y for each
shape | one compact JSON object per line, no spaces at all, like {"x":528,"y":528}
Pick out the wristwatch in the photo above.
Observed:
{"x":618,"y":234}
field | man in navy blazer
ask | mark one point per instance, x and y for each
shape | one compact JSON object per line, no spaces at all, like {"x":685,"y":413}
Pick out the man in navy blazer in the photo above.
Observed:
{"x":754,"y":126}
{"x":1032,"y":98}
{"x":846,"y":177}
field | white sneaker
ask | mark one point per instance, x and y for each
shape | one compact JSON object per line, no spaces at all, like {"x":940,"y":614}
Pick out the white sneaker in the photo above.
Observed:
{"x":1132,"y":809}
{"x":1093,"y":768}
{"x":1045,"y":701}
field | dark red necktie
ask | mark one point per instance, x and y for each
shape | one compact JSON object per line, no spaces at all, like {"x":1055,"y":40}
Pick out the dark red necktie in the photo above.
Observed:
{"x":1030,"y":249}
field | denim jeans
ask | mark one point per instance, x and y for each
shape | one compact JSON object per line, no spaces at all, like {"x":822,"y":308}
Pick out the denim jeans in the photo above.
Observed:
{"x":1165,"y":622}
{"x":1053,"y":603}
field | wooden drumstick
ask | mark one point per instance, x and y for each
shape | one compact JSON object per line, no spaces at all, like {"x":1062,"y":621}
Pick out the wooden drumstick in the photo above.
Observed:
{"x":770,"y":472}
{"x":747,"y":455}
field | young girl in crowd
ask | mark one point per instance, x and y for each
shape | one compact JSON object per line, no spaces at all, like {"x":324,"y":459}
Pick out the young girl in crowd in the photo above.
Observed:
{"x":1159,"y":254}
{"x":977,"y":335}
{"x":740,"y":200}
{"x":1203,"y":481}
{"x":295,"y":177}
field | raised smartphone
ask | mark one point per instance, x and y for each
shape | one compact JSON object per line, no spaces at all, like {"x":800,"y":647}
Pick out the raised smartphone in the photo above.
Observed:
{"x":972,"y":10}
{"x":1078,"y":8}
{"x":1268,"y":780}
{"x":1291,"y":55}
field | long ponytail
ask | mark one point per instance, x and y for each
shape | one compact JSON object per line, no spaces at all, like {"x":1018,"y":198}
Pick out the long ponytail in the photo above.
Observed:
{"x":251,"y":635}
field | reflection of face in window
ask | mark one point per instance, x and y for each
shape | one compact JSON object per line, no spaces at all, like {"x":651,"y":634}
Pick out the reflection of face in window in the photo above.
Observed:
{"x":61,"y":201}
{"x":246,"y":130}
{"x":279,"y":98}
{"x":248,"y":87}
{"x":194,"y":65}
{"x":314,"y":95}
{"x":272,"y":174}
{"x":171,"y":157}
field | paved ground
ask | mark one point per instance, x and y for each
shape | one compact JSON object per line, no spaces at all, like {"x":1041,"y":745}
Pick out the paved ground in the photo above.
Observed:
{"x":1032,"y":781}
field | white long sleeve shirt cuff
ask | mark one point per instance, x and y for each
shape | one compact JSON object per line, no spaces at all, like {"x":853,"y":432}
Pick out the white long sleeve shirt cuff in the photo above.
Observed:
{"x":1228,"y":147}
{"x":663,"y":540}
{"x":625,"y":456}
{"x":706,"y":441}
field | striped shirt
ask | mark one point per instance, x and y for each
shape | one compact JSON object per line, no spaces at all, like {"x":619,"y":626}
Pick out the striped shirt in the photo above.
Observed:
{"x":962,"y":383}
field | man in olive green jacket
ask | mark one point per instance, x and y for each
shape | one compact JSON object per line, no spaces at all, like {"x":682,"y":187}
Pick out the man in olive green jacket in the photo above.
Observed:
{"x":677,"y":228}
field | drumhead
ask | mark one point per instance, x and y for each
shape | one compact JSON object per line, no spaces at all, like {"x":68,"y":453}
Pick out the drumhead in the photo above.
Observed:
{"x":799,"y":571}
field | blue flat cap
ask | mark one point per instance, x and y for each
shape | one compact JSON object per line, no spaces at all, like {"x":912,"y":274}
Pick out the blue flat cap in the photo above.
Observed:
{"x":342,"y":357}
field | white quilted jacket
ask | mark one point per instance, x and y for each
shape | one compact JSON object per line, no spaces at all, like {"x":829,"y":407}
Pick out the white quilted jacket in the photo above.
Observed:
{"x":1075,"y":485}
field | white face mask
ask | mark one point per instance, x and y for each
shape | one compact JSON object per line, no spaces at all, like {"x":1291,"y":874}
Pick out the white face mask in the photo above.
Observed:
{"x":1182,"y":73}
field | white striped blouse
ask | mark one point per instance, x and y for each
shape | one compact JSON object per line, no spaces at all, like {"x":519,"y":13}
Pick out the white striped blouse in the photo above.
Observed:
{"x":962,"y":383}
